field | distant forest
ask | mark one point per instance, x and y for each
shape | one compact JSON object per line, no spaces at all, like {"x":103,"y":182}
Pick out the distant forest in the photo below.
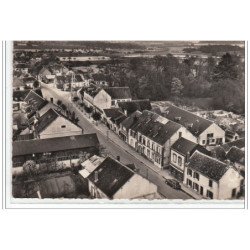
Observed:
{"x":166,"y":78}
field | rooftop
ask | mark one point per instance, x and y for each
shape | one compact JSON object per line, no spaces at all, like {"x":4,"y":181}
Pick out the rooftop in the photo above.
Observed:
{"x":207,"y":166}
{"x":34,"y":99}
{"x":184,"y":146}
{"x":236,"y":155}
{"x":134,"y":105}
{"x":148,"y":124}
{"x":194,"y":123}
{"x":240,"y":143}
{"x":112,"y":175}
{"x":130,"y":120}
{"x":29,"y":147}
{"x":119,"y":92}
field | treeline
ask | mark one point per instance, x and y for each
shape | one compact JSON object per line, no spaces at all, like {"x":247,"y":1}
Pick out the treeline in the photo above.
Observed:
{"x":213,"y":49}
{"x":167,"y":78}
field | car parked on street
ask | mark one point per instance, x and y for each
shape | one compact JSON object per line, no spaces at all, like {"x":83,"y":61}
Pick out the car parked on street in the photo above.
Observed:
{"x":173,"y":183}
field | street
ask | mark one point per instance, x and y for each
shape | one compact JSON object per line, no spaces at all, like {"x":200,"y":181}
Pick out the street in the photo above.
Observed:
{"x":114,"y":146}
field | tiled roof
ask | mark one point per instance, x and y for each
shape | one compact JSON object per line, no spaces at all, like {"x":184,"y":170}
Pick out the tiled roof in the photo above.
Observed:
{"x":207,"y":166}
{"x":29,"y":79}
{"x":240,"y":143}
{"x":119,"y":92}
{"x":112,"y":175}
{"x":134,"y":105}
{"x":148,"y":125}
{"x":19,"y":95}
{"x":184,"y":146}
{"x":130,"y":120}
{"x":29,"y":147}
{"x":45,"y":120}
{"x":78,"y":78}
{"x":194,"y":123}
{"x":112,"y":112}
{"x":34,"y":99}
{"x":236,"y":155}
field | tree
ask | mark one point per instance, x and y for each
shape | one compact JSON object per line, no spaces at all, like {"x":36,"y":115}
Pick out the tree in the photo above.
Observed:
{"x":29,"y":168}
{"x":176,"y":87}
{"x":75,"y":99}
{"x":35,"y":84}
{"x":96,"y":116}
{"x":59,"y":102}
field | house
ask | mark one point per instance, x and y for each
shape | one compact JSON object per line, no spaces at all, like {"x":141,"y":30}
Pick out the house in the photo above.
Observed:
{"x":206,"y":131}
{"x":126,"y":124}
{"x":237,"y":157}
{"x":22,"y":67}
{"x":54,"y":124}
{"x":105,"y":98}
{"x":130,"y":107}
{"x":112,"y":118}
{"x":79,"y":81}
{"x":18,"y":83}
{"x":64,"y":148}
{"x":153,"y":135}
{"x":212,"y":178}
{"x":63,"y":82}
{"x":113,"y":180}
{"x":90,"y":165}
{"x":230,"y":136}
{"x":44,"y":72}
{"x":180,"y":153}
{"x":28,"y":81}
{"x":240,"y":143}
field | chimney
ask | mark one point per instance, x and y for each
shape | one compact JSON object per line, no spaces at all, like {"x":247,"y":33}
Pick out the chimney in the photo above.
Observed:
{"x":188,"y":156}
{"x":96,"y":176}
{"x":228,"y":163}
{"x":118,"y":158}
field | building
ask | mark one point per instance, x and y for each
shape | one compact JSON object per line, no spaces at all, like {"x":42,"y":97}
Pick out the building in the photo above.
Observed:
{"x":126,"y":124}
{"x":206,"y":131}
{"x":130,"y":107}
{"x":153,"y":135}
{"x":231,"y":136}
{"x":112,"y":118}
{"x":212,"y":178}
{"x":237,"y":157}
{"x":113,"y":180}
{"x":105,"y":98}
{"x":54,"y":124}
{"x":54,"y":149}
{"x":240,"y":143}
{"x":22,"y":67}
{"x":180,"y":153}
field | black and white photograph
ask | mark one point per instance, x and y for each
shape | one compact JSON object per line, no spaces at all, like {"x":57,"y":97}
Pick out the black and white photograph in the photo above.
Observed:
{"x":130,"y":120}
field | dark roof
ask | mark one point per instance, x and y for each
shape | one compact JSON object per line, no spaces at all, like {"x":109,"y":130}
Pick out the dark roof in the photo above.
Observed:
{"x":63,"y":79}
{"x":134,"y":105}
{"x":194,"y":123}
{"x":112,"y":175}
{"x":19,"y":95}
{"x":34,"y":98}
{"x":148,"y":125}
{"x":236,"y":155}
{"x":45,"y":120}
{"x":130,"y":120}
{"x":112,"y":112}
{"x":240,"y":143}
{"x":184,"y":146}
{"x":29,"y":147}
{"x":119,"y":92}
{"x":219,"y":152}
{"x":29,"y":79}
{"x":21,"y":66}
{"x":207,"y":166}
{"x":78,"y":78}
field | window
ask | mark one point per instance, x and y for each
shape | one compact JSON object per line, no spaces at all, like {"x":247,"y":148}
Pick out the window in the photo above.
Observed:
{"x":195,"y":186}
{"x":153,"y":146}
{"x":189,"y":172}
{"x":203,"y":141}
{"x":174,"y":157}
{"x":159,"y":150}
{"x":210,"y":194}
{"x":189,"y":183}
{"x":112,"y":103}
{"x":196,"y":176}
{"x":201,"y":190}
{"x":233,"y":192}
{"x":211,"y":135}
{"x":180,"y":134}
{"x":148,"y":152}
{"x":219,"y":140}
{"x":148,"y":143}
{"x":179,"y":161}
{"x":63,"y":126}
{"x":210,"y":184}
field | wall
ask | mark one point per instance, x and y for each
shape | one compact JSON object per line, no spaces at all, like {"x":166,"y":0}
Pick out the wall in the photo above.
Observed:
{"x":180,"y":167}
{"x":136,"y":187}
{"x":230,"y":180}
{"x":102,"y":100}
{"x":55,"y":130}
{"x":204,"y":182}
{"x":216,"y":130}
{"x":95,"y":192}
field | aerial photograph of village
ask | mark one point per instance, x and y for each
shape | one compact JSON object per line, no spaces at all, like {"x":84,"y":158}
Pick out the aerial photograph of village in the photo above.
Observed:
{"x":133,"y":120}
